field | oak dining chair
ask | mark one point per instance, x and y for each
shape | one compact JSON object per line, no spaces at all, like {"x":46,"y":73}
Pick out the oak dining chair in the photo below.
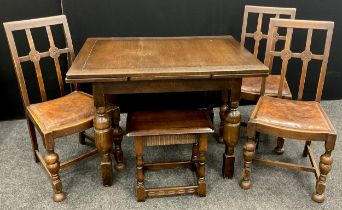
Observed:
{"x":250,"y":89}
{"x":251,"y":86}
{"x":68,"y":114}
{"x":170,"y":127}
{"x":294,"y":119}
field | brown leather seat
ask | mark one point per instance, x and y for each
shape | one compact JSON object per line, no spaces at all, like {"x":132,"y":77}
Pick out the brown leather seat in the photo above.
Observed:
{"x":250,"y":89}
{"x":291,"y":114}
{"x":65,"y":111}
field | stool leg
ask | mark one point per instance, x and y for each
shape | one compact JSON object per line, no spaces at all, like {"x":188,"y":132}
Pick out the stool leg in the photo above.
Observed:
{"x":194,"y":157}
{"x":139,"y":152}
{"x":203,"y":144}
{"x":324,"y":168}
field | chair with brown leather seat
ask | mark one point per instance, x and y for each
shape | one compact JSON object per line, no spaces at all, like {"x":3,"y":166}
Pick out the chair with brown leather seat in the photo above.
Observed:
{"x":69,"y":114}
{"x":169,"y":128}
{"x":250,"y":89}
{"x":251,"y":86}
{"x":294,"y":119}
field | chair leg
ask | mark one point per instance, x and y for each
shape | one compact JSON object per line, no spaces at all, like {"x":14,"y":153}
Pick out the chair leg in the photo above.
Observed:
{"x":139,"y":152}
{"x":257,"y":139}
{"x":305,"y":151}
{"x":33,"y":136}
{"x":117,"y":139}
{"x":279,"y":150}
{"x":202,"y":148}
{"x":324,"y":167}
{"x":248,"y":154}
{"x":52,"y":163}
{"x":81,"y":138}
{"x":194,"y":156}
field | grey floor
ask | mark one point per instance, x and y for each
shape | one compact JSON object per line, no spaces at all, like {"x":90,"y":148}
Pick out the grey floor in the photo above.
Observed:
{"x":24,"y":184}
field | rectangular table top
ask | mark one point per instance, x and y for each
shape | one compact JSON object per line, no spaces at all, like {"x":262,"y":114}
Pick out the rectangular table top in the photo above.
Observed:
{"x":146,"y":58}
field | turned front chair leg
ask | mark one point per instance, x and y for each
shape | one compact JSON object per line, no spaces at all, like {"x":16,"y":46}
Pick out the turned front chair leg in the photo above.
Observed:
{"x":52,"y":164}
{"x":279,"y":149}
{"x":117,"y":139}
{"x":324,"y":168}
{"x":33,"y":136}
{"x":139,"y":152}
{"x":248,"y":154}
{"x":104,"y":145}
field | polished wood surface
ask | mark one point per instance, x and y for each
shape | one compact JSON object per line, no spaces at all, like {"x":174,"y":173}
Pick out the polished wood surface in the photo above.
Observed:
{"x":113,"y":59}
{"x":250,"y":89}
{"x":69,"y":114}
{"x":294,"y":119}
{"x":169,"y":128}
{"x":143,"y":65}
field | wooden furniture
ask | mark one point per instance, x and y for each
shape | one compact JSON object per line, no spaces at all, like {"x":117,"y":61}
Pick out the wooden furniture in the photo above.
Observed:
{"x":71,"y":113}
{"x":169,"y":128}
{"x":250,"y":89}
{"x":155,"y":65}
{"x":294,"y":119}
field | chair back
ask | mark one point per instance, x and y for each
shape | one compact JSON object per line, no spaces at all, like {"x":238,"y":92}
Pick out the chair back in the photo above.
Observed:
{"x":258,"y":35}
{"x":35,"y":56}
{"x":306,"y":55}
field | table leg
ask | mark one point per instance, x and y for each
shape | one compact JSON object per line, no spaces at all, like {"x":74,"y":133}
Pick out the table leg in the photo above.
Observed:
{"x":117,"y":139}
{"x":103,"y":135}
{"x":231,"y":129}
{"x":224,"y":107}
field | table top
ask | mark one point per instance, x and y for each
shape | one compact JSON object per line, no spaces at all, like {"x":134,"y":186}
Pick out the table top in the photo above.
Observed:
{"x":140,"y":58}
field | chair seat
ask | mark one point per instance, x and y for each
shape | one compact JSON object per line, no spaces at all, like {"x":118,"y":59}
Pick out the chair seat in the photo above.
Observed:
{"x":290,"y":114}
{"x":72,"y":109}
{"x":168,"y":122}
{"x":250,"y":89}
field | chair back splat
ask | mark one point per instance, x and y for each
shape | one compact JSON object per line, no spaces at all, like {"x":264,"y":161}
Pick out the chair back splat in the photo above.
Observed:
{"x":306,"y":55}
{"x":250,"y":89}
{"x":35,"y":56}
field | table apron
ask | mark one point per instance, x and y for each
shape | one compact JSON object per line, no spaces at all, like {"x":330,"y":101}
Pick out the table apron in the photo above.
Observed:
{"x":162,"y":86}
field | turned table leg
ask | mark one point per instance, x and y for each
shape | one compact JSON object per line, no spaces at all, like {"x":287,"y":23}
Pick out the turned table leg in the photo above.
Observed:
{"x":104,"y":145}
{"x":117,"y":139}
{"x":224,"y":107}
{"x":231,"y":129}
